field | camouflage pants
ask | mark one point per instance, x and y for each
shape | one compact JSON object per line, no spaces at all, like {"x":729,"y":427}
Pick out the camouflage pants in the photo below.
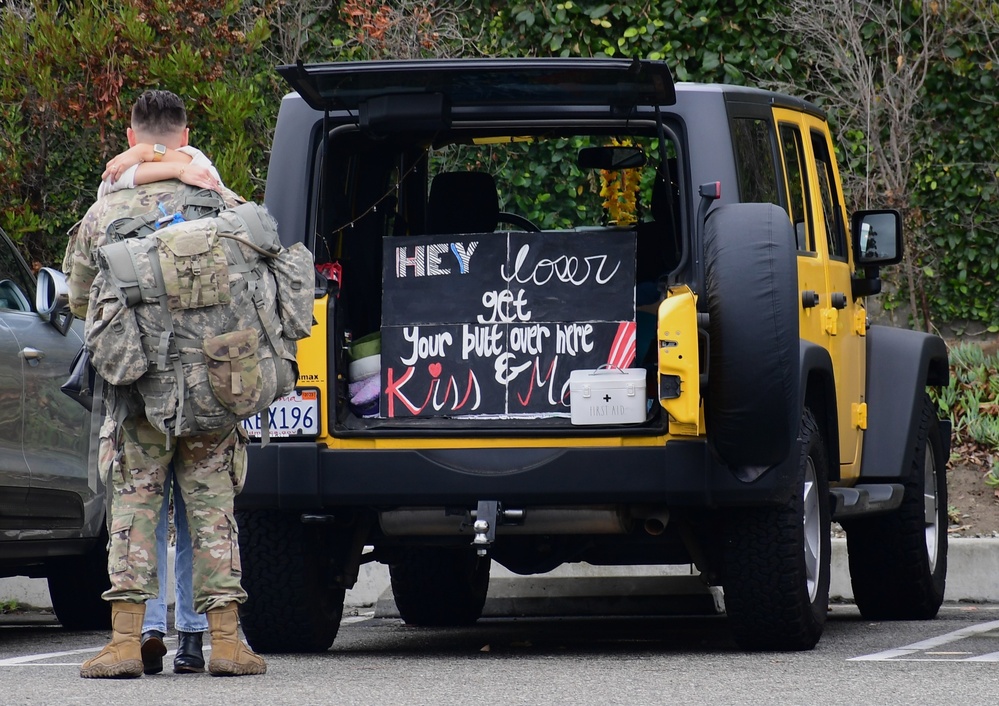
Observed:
{"x":209,"y":467}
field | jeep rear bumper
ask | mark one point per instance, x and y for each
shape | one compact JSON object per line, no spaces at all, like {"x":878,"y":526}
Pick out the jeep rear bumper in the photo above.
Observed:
{"x":307,"y":477}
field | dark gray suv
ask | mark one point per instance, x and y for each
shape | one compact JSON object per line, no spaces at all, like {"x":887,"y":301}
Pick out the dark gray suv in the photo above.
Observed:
{"x":51,"y":498}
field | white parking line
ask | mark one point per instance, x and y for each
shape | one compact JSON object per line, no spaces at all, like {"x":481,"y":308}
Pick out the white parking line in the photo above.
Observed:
{"x":991,"y":657}
{"x":900,"y":653}
{"x":38,"y":660}
{"x":26,"y":659}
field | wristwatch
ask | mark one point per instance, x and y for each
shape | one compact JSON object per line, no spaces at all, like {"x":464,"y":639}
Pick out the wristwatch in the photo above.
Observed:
{"x":158,"y":152}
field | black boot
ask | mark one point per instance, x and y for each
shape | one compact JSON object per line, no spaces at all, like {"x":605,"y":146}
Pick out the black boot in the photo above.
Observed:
{"x":189,"y":658}
{"x":152,"y":650}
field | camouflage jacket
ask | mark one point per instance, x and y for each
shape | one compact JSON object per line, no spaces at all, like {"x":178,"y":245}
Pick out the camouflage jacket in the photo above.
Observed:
{"x":91,"y":232}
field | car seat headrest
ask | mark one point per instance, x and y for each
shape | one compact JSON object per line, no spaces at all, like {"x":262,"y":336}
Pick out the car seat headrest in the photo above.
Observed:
{"x":462,"y":202}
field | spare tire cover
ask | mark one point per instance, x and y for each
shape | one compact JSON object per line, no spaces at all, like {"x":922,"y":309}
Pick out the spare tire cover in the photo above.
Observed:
{"x":752,"y":408}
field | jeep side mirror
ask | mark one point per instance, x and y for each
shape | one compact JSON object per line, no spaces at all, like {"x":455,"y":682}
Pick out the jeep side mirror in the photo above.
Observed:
{"x":877,"y":237}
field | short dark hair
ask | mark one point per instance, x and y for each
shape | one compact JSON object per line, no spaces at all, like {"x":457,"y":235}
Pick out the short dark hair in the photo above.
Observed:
{"x":159,"y":113}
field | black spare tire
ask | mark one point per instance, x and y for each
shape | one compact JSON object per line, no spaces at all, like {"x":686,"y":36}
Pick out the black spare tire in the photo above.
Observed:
{"x":752,"y":407}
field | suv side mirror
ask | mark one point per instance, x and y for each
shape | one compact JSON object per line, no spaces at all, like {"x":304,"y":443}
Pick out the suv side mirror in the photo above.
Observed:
{"x":877,"y":237}
{"x":52,"y":299}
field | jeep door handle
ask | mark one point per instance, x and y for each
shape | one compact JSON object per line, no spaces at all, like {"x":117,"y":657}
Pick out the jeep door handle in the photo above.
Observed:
{"x":838,"y":300}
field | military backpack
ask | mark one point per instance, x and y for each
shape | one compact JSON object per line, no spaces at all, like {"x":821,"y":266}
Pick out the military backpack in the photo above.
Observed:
{"x":200,"y":313}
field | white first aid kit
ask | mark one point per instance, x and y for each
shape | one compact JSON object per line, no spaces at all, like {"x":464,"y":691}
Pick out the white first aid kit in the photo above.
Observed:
{"x":607,"y":395}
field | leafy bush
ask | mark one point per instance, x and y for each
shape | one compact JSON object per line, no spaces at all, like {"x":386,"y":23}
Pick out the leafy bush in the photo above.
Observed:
{"x":69,"y":73}
{"x":971,"y":399}
{"x":724,"y":42}
{"x":956,"y":185}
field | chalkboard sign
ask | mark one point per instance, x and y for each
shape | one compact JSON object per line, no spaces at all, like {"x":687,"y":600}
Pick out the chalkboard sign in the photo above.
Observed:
{"x":493,"y":323}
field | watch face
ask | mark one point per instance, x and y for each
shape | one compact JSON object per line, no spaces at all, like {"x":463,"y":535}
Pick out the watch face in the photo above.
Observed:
{"x":158,"y":152}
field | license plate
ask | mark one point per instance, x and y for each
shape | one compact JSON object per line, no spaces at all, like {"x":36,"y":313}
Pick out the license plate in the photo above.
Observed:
{"x":296,"y":414}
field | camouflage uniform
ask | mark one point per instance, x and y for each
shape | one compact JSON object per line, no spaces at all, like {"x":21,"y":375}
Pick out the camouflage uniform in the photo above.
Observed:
{"x":202,"y":464}
{"x":137,"y":457}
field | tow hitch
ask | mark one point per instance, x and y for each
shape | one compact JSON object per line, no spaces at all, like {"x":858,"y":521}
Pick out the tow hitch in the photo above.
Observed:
{"x":488,"y":514}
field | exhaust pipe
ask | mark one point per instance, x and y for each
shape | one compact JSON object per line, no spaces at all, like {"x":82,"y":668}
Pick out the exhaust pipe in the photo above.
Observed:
{"x":655,"y":524}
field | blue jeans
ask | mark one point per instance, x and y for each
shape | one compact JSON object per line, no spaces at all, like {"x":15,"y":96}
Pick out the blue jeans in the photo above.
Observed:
{"x":185,"y":619}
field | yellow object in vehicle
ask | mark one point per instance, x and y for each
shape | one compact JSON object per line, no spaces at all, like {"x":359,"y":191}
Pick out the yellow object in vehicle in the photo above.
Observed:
{"x":679,"y":369}
{"x":312,"y":360}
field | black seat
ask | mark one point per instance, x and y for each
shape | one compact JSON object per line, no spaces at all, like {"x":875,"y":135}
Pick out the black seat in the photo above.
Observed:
{"x":658,"y":246}
{"x":462,"y":202}
{"x":657,"y":253}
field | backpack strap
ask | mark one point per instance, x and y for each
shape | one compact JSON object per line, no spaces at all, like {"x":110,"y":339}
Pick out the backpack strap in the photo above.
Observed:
{"x":167,"y":352}
{"x":203,"y":203}
{"x":251,"y":276}
{"x":133,"y":227}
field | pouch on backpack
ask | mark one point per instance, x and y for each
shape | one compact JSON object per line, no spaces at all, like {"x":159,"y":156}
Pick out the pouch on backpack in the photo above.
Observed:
{"x":234,"y":371}
{"x":113,"y":339}
{"x":118,"y":266}
{"x":194,"y":267}
{"x":294,"y":272}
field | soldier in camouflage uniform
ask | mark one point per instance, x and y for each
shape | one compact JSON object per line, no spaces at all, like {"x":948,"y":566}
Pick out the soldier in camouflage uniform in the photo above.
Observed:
{"x":207,"y":465}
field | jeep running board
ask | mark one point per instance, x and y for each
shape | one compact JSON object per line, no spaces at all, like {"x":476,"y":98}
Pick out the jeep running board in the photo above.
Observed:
{"x":865,"y":499}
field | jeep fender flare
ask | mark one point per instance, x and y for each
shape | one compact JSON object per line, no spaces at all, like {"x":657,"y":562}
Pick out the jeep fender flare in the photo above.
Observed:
{"x":752,"y":405}
{"x":900,"y":365}
{"x":818,"y":393}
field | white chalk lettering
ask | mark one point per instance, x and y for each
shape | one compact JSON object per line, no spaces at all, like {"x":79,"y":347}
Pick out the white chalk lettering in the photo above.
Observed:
{"x":434,"y":252}
{"x":572,"y":338}
{"x":404,"y":261}
{"x":481,"y":341}
{"x":423,"y":347}
{"x":528,"y":339}
{"x":566,"y":268}
{"x":464,"y":254}
{"x":505,"y":371}
{"x":426,"y":260}
{"x":504,"y":307}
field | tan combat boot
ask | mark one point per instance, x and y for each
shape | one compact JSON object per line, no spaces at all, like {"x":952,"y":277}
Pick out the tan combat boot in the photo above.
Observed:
{"x":230,"y":657}
{"x":122,"y":657}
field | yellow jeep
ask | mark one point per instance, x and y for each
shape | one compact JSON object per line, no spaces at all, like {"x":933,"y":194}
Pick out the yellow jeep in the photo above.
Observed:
{"x":570,"y":311}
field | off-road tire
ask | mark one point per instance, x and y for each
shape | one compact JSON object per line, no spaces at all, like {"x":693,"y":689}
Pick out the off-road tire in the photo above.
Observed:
{"x":76,"y":585}
{"x":751,"y":284}
{"x":295,"y":603}
{"x":440,"y":586}
{"x":898,"y":562}
{"x":777,"y":560}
